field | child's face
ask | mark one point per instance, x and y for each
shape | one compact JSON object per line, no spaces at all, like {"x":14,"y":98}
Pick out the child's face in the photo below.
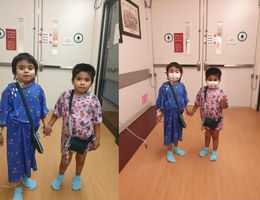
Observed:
{"x":212,"y":78}
{"x":174,"y":70}
{"x":174,"y":74}
{"x":212,"y":81}
{"x":82,"y":82}
{"x":25,"y":72}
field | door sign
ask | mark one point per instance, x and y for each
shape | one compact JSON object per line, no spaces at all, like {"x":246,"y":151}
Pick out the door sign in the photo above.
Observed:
{"x":242,"y":36}
{"x":78,"y":37}
{"x":178,"y":42}
{"x":168,"y":37}
{"x":11,"y":39}
{"x":2,"y":33}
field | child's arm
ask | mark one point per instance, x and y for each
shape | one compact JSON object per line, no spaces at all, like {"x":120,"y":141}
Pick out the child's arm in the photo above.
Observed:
{"x":97,"y":134}
{"x":187,"y":109}
{"x":1,"y":136}
{"x":48,"y":126}
{"x":223,"y":103}
{"x":195,"y":107}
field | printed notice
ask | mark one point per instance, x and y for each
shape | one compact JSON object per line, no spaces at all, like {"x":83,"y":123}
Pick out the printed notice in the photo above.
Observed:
{"x":178,"y":42}
{"x":11,"y":39}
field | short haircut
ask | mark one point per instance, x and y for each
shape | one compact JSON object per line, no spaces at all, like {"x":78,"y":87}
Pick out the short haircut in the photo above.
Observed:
{"x":24,"y":56}
{"x":82,"y":67}
{"x":213,"y":71}
{"x":174,"y":64}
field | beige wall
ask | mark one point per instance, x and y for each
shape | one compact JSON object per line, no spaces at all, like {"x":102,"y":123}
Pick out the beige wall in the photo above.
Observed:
{"x":136,"y":54}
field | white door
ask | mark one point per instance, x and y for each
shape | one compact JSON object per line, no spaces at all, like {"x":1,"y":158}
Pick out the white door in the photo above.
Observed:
{"x":222,"y":33}
{"x":59,"y":34}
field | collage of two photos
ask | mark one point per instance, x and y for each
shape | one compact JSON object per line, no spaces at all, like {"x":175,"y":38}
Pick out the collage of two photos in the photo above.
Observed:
{"x":129,"y":99}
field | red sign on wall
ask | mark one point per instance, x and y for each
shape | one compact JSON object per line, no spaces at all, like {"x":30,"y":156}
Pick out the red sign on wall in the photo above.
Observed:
{"x":11,"y":39}
{"x":178,"y":42}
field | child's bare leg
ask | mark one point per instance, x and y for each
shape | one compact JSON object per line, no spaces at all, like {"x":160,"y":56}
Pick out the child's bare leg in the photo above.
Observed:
{"x":80,"y":160}
{"x":169,"y":147}
{"x":215,"y":137}
{"x":205,"y":151}
{"x":207,"y":137}
{"x":63,"y":165}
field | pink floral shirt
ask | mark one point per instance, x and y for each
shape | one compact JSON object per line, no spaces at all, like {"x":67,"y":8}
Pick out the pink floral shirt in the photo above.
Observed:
{"x":86,"y":113}
{"x":214,"y":97}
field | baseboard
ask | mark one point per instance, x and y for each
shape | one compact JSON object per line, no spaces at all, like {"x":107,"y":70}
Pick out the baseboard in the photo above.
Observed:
{"x":128,"y":144}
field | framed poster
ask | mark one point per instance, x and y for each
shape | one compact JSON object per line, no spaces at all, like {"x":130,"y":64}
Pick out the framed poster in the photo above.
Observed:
{"x":129,"y":19}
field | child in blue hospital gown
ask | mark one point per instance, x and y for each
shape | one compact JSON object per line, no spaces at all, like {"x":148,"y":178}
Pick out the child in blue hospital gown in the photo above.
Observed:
{"x":166,"y":106}
{"x":20,"y":152}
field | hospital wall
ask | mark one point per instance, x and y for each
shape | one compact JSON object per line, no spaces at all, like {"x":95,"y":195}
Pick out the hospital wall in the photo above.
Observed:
{"x":135,"y":55}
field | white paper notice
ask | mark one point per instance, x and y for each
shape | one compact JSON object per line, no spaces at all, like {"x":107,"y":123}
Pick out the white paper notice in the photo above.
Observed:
{"x":116,"y":35}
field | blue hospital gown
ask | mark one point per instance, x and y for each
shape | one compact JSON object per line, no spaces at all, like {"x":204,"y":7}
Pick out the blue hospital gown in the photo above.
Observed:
{"x":20,"y":152}
{"x":166,"y":102}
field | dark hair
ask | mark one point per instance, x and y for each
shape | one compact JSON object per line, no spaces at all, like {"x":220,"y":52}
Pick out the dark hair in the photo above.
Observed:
{"x":213,"y":71}
{"x":174,"y":64}
{"x":85,"y":68}
{"x":24,"y":56}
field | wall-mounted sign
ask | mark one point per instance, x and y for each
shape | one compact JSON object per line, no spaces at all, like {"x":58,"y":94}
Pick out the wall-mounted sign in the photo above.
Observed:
{"x":11,"y":39}
{"x":168,"y":37}
{"x":242,"y":36}
{"x":178,"y":42}
{"x":2,"y":33}
{"x":78,"y":37}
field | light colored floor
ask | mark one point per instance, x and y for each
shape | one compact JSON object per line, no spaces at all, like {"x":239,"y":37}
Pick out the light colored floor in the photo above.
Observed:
{"x":99,"y":176}
{"x":235,"y":175}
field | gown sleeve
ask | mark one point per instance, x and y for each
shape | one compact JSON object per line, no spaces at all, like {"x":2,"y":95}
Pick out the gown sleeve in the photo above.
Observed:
{"x":5,"y":106}
{"x":44,"y":109}
{"x":160,"y":99}
{"x":97,"y":113}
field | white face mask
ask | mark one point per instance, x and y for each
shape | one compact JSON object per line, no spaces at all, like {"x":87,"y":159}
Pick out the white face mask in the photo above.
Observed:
{"x":212,"y":84}
{"x":174,"y":76}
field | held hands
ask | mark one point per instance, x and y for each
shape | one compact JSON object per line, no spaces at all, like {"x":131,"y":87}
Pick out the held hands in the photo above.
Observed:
{"x":188,"y":112}
{"x":47,"y":130}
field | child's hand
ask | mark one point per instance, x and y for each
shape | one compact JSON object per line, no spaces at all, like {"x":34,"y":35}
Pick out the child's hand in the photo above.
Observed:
{"x":223,"y":103}
{"x":1,"y":140}
{"x":188,"y":112}
{"x":96,"y":143}
{"x":158,"y":118}
{"x":47,"y":130}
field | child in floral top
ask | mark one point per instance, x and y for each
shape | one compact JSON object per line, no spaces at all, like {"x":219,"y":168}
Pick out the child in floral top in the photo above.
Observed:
{"x":215,"y":101}
{"x":86,"y":117}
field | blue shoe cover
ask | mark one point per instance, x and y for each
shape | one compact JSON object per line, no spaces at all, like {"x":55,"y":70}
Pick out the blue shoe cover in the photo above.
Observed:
{"x":213,"y":156}
{"x":18,"y":193}
{"x":204,"y":152}
{"x":57,"y":182}
{"x":178,"y":151}
{"x":170,"y":157}
{"x":76,"y":183}
{"x":29,"y":183}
